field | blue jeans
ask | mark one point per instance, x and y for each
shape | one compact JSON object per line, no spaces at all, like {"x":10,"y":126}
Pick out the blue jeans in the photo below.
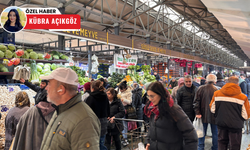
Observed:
{"x":102,"y":142}
{"x":214,"y":131}
{"x":125,"y":130}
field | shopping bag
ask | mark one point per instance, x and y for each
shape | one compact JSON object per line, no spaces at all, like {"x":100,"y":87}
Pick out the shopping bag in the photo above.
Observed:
{"x":132,"y":125}
{"x":198,"y":125}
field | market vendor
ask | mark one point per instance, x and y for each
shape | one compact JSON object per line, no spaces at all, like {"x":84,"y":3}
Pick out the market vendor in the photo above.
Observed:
{"x":41,"y":93}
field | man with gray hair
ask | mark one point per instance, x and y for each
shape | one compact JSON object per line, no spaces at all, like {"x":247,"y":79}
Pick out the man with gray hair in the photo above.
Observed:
{"x":185,"y":97}
{"x":202,"y":100}
{"x":242,"y":83}
{"x":74,"y":125}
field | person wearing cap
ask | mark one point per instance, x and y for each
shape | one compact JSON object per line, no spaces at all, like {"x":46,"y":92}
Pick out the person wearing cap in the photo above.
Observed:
{"x":202,"y":100}
{"x":220,"y":81}
{"x":74,"y":125}
{"x":242,"y":83}
{"x":86,"y":90}
{"x":41,"y":93}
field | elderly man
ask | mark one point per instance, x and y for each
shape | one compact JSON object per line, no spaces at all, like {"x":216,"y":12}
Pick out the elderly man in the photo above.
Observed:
{"x":185,"y":97}
{"x":173,"y":83}
{"x":74,"y":125}
{"x":231,"y":108}
{"x":201,"y":107}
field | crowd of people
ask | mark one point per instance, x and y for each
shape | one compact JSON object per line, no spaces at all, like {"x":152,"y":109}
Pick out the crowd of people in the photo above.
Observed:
{"x":62,"y":118}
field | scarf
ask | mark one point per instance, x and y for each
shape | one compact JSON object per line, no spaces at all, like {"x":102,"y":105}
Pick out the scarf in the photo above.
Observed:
{"x":154,"y":109}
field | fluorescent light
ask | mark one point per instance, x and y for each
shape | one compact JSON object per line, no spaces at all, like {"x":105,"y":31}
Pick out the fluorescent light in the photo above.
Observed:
{"x":82,"y":40}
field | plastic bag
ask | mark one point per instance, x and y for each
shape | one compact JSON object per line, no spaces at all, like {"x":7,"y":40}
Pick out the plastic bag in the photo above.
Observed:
{"x":198,"y":125}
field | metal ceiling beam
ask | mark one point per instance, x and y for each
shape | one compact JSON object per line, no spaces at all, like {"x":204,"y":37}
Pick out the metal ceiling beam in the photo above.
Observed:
{"x":68,"y":3}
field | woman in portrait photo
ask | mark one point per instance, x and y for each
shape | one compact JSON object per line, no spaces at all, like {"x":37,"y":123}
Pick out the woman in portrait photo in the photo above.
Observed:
{"x":13,"y":23}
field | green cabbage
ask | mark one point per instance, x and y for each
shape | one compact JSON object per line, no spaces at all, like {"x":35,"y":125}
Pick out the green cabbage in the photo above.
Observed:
{"x":4,"y":69}
{"x":47,"y":64}
{"x":1,"y":54}
{"x":55,"y":56}
{"x":15,"y":55}
{"x":40,"y":56}
{"x":8,"y":54}
{"x":40,"y":64}
{"x":11,"y":47}
{"x":29,"y":50}
{"x":39,"y":68}
{"x":3,"y":48}
{"x":33,"y":55}
{"x":64,"y":57}
{"x":26,"y":55}
{"x":53,"y":66}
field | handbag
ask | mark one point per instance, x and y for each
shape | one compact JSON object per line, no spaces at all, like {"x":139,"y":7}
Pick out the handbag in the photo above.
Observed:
{"x":130,"y":112}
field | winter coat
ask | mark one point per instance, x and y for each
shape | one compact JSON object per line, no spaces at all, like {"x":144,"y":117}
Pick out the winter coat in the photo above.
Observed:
{"x":41,"y":94}
{"x":168,"y":134}
{"x":157,"y":77}
{"x":185,"y":98}
{"x":126,"y":96}
{"x":243,"y":86}
{"x":32,"y":126}
{"x":117,"y":110}
{"x":248,"y":88}
{"x":231,"y":107}
{"x":173,"y":84}
{"x":99,"y":103}
{"x":11,"y":122}
{"x":220,"y":83}
{"x":137,"y":102}
{"x":174,"y":92}
{"x":85,"y":95}
{"x":73,"y":126}
{"x":202,"y":100}
{"x":196,"y":84}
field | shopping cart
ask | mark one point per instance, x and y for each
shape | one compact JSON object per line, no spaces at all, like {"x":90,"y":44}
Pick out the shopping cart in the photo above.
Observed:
{"x":136,"y":135}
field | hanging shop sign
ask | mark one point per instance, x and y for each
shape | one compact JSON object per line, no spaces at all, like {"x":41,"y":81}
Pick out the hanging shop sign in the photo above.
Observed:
{"x":121,"y":62}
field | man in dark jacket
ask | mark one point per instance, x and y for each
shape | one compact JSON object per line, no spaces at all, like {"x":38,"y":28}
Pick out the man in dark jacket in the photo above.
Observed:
{"x":157,"y":77}
{"x":173,"y":83}
{"x":185,"y":97}
{"x":201,"y":107}
{"x":220,"y":79}
{"x":41,"y":93}
{"x":242,"y":83}
{"x":231,"y":108}
{"x":243,"y":76}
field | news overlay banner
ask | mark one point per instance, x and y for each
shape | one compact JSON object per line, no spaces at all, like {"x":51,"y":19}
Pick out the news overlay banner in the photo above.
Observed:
{"x":124,"y":63}
{"x":51,"y":18}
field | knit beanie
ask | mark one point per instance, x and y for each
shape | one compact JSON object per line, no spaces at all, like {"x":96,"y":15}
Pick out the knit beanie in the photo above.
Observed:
{"x":219,"y":75}
{"x":180,"y":81}
{"x":87,"y":86}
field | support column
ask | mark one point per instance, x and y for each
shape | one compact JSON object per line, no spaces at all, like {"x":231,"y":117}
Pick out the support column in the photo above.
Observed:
{"x":192,"y":69}
{"x":183,"y":49}
{"x":89,"y":61}
{"x":168,"y":68}
{"x":148,"y":42}
{"x":61,"y":39}
{"x":168,"y":45}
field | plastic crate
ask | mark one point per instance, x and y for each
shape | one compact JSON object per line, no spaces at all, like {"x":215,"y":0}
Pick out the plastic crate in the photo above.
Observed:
{"x":24,"y":87}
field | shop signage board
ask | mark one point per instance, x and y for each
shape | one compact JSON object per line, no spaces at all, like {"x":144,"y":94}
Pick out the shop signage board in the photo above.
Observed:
{"x":118,"y":61}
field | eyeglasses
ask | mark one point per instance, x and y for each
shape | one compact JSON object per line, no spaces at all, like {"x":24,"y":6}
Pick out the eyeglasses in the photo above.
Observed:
{"x":150,"y":96}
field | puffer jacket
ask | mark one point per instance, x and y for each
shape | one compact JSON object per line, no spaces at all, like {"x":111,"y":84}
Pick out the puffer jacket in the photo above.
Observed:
{"x":137,"y":102}
{"x":231,"y":107}
{"x":41,"y":94}
{"x":73,"y":126}
{"x":168,"y":134}
{"x":185,"y":98}
{"x":220,"y":83}
{"x":126,"y":96}
{"x":117,"y":110}
{"x":202,"y":100}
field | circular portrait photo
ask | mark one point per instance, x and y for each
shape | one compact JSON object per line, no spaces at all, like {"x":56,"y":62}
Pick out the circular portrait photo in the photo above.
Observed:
{"x":13,"y":19}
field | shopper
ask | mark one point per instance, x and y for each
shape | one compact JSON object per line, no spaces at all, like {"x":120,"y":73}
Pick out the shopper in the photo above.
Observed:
{"x":126,"y":97}
{"x":174,"y":91}
{"x":144,"y":102}
{"x":157,"y":77}
{"x":13,"y":23}
{"x":185,"y":97}
{"x":164,"y":81}
{"x":86,"y":90}
{"x":170,"y":128}
{"x":203,"y":81}
{"x":243,"y":76}
{"x":114,"y":126}
{"x":137,"y":103}
{"x":242,"y":83}
{"x":99,"y":103}
{"x":196,"y":81}
{"x":173,"y":83}
{"x":220,"y":79}
{"x":22,"y":104}
{"x":201,"y":107}
{"x":231,"y":108}
{"x":74,"y":125}
{"x":32,"y":126}
{"x":104,"y":83}
{"x":41,"y":93}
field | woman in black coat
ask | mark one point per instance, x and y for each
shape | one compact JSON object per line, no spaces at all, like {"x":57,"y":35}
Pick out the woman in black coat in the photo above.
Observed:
{"x":99,"y":103}
{"x":170,"y":128}
{"x":116,"y":111}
